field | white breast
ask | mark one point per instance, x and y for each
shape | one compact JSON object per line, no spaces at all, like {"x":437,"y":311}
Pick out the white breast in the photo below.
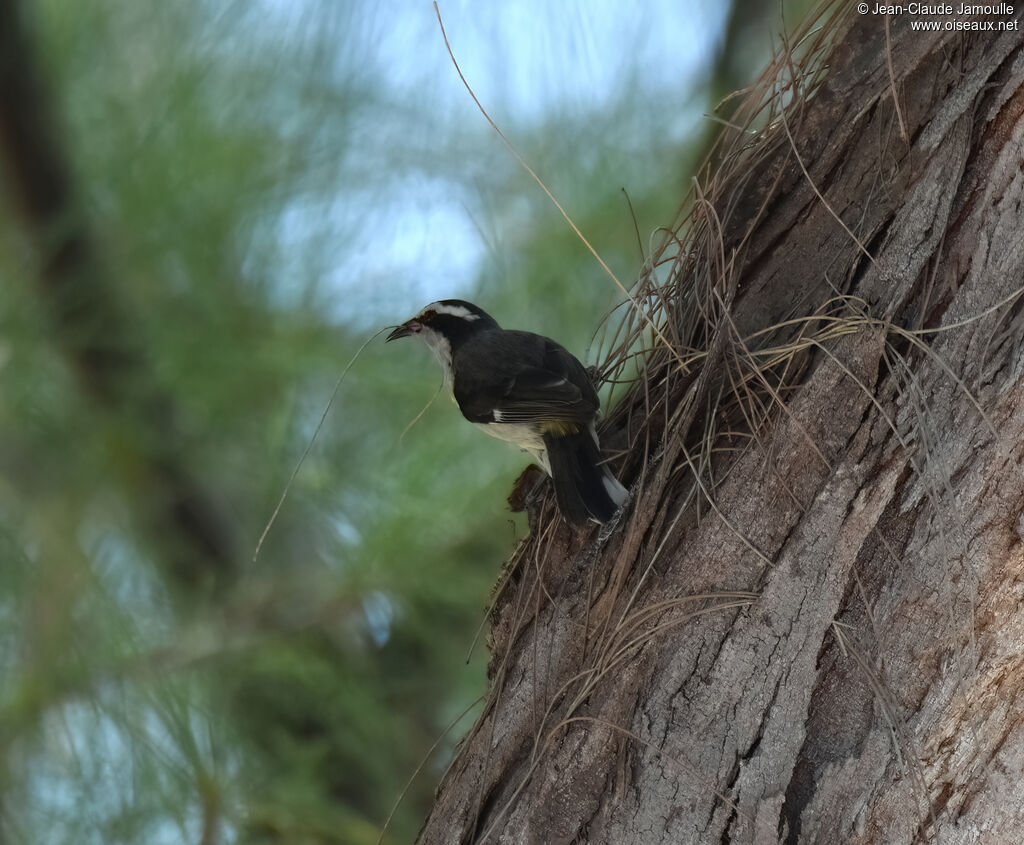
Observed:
{"x":522,"y":436}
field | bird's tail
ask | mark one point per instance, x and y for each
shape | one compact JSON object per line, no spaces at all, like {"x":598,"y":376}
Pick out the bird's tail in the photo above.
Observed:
{"x":584,"y":488}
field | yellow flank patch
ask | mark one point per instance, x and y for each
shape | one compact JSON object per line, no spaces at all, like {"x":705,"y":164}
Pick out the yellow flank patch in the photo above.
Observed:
{"x":560,"y":428}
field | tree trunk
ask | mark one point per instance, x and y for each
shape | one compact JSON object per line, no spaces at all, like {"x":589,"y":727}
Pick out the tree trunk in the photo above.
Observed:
{"x":807,"y":624}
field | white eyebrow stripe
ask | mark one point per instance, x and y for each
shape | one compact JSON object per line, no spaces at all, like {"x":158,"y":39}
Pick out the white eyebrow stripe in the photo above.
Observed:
{"x":452,"y":310}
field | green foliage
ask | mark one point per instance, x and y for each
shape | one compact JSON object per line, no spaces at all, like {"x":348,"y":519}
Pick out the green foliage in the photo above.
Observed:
{"x":233,"y":162}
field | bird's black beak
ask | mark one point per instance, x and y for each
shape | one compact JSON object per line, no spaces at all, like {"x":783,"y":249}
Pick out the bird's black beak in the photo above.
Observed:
{"x":403,"y":330}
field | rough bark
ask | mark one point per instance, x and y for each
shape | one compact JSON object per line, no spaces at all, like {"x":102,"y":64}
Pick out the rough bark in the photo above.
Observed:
{"x":817,"y":637}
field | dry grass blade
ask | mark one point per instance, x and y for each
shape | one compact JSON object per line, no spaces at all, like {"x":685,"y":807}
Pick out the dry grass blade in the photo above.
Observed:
{"x":416,"y":772}
{"x":540,"y":182}
{"x":312,"y":440}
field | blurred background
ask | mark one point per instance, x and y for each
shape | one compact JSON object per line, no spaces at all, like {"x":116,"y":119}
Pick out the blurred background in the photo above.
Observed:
{"x":253,"y":189}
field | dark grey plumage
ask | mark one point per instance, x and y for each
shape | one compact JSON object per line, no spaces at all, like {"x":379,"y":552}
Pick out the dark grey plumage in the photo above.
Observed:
{"x":526,"y":389}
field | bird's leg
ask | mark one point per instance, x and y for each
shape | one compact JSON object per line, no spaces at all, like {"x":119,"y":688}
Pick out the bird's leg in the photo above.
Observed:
{"x":524,"y":489}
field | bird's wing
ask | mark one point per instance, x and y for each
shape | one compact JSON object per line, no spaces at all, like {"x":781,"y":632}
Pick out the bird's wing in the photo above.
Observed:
{"x":554,"y":388}
{"x":541,"y":395}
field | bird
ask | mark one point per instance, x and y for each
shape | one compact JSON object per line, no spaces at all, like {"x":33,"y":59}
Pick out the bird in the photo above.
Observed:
{"x":526,"y":389}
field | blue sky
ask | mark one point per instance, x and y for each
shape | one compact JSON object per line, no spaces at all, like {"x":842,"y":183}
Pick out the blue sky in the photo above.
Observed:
{"x":421,"y":234}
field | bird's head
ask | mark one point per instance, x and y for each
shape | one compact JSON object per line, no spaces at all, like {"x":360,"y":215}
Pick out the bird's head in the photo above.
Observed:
{"x":445,"y":325}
